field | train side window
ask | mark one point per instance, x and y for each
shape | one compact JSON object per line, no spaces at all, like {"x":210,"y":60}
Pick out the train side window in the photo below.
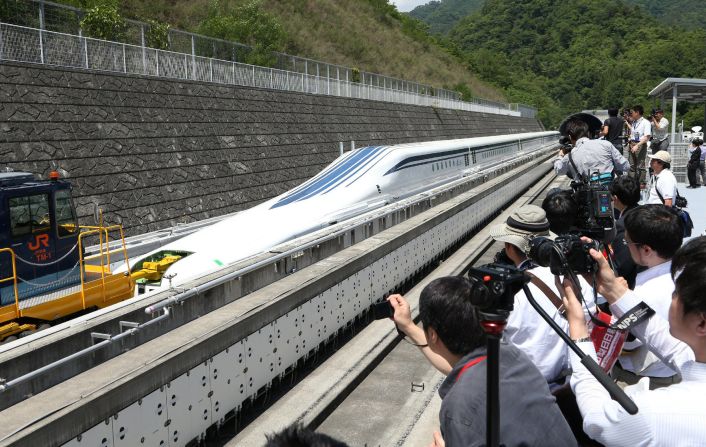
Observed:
{"x":29,"y":214}
{"x":66,"y":223}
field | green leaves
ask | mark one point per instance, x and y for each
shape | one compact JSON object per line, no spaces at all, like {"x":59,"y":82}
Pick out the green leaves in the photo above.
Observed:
{"x":103,"y":21}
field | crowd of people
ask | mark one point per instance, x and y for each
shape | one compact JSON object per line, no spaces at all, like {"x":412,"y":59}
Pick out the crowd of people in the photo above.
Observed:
{"x":547,"y":395}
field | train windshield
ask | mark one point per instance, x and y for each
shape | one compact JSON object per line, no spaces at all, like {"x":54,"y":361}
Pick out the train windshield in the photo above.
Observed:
{"x":65,"y":215}
{"x":29,"y":214}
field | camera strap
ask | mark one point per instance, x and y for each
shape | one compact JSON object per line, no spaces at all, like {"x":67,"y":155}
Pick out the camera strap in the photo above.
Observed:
{"x":633,"y":317}
{"x":576,"y":170}
{"x":548,"y":292}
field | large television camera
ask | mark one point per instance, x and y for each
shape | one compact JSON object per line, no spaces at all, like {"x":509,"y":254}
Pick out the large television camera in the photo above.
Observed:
{"x":595,"y":218}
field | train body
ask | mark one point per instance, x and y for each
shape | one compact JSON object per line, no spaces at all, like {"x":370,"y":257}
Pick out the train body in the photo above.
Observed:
{"x":355,"y":183}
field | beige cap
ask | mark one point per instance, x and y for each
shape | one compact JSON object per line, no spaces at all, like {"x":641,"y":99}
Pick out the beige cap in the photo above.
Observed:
{"x":661,"y":156}
{"x":524,"y":224}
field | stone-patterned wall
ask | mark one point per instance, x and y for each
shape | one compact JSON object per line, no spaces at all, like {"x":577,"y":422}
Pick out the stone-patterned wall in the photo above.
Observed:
{"x":153,"y":152}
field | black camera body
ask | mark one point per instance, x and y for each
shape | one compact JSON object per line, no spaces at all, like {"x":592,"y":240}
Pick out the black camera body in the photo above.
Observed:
{"x":493,"y":287}
{"x":595,"y":218}
{"x":565,"y":144}
{"x":574,"y":256}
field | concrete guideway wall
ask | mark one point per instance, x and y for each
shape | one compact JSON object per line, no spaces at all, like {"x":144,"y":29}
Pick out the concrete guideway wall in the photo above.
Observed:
{"x":176,"y":386}
{"x":156,"y":152}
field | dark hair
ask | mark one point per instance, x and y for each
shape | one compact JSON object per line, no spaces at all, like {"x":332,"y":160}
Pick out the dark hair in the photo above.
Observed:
{"x":297,"y":436}
{"x":697,"y":141}
{"x":561,"y":209}
{"x":690,"y":260}
{"x":577,"y":128}
{"x":626,"y":189}
{"x":638,"y":108}
{"x":445,"y":305}
{"x":656,"y":226}
{"x":664,"y":164}
{"x":613,"y":111}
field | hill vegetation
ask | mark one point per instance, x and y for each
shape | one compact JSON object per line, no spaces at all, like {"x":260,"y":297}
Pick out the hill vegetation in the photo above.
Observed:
{"x":442,"y":15}
{"x":370,"y":35}
{"x":569,"y":55}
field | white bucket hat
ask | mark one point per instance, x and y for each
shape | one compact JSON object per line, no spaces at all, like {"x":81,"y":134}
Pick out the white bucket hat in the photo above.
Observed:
{"x":523,"y":225}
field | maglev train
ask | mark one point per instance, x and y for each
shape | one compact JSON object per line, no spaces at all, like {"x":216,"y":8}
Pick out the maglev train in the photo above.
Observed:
{"x":355,"y":183}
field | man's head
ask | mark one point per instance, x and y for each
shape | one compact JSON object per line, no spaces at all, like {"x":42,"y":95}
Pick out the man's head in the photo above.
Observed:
{"x":449,"y":319}
{"x":659,"y":114}
{"x":625,"y":191}
{"x":561,"y":209}
{"x":613,"y":111}
{"x":297,"y":435}
{"x":696,"y":142}
{"x":637,"y":111}
{"x":576,"y":129}
{"x":653,"y":234}
{"x":687,"y":314}
{"x":524,"y":223}
{"x":660,"y":161}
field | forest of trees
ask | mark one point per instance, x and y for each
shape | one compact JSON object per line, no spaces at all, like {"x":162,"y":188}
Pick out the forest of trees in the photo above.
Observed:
{"x":567,"y":55}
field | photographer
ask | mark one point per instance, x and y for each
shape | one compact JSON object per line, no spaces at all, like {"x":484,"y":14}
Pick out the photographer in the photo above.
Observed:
{"x":669,"y":416}
{"x":660,"y":135}
{"x":451,"y":331}
{"x":626,"y":195}
{"x":525,"y":328}
{"x":653,"y":234}
{"x":640,"y":136}
{"x":663,"y":187}
{"x":587,"y":156}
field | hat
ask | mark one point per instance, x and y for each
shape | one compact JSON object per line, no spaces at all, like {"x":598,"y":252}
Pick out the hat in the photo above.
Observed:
{"x":661,"y":156}
{"x":524,"y":223}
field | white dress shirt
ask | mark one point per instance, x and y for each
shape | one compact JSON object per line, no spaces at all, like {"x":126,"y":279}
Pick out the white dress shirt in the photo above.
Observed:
{"x":672,"y":416}
{"x":655,"y":287}
{"x":667,"y":184}
{"x":527,"y":330}
{"x":640,"y":128}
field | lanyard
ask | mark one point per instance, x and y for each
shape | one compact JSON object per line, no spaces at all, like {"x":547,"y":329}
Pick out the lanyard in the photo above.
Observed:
{"x":473,"y":362}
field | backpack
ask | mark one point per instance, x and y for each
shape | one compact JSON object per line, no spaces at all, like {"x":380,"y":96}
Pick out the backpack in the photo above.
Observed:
{"x":680,"y":202}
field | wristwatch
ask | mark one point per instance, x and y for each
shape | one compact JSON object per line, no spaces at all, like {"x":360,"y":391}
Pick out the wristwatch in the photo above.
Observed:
{"x":583,"y":339}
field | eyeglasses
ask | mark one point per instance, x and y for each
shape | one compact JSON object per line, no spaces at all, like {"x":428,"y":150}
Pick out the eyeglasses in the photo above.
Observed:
{"x":627,"y":242}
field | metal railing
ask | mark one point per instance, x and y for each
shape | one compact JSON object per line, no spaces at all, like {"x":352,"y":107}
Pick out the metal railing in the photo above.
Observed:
{"x":22,"y":44}
{"x":53,"y":17}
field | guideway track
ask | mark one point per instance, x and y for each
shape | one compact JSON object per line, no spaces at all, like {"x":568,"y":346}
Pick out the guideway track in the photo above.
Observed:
{"x":377,"y":390}
{"x":72,"y":407}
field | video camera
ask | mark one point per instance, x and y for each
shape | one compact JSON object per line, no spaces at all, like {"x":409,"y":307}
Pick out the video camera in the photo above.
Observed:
{"x":565,"y":144}
{"x":595,"y":217}
{"x":563,"y":253}
{"x":493,"y":287}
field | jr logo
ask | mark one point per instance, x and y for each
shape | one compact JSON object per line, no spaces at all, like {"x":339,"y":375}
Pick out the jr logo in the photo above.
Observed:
{"x":40,"y":240}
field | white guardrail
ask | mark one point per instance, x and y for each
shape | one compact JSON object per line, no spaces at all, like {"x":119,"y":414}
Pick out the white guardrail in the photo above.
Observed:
{"x":23,"y":44}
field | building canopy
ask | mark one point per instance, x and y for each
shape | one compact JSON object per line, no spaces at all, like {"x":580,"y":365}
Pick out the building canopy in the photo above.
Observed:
{"x":679,"y":89}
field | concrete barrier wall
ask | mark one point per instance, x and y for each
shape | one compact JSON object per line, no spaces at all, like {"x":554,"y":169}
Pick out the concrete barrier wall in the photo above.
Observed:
{"x":154,"y":152}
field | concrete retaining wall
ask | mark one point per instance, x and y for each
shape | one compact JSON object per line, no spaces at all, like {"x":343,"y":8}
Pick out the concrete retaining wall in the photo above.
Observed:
{"x":154,"y":152}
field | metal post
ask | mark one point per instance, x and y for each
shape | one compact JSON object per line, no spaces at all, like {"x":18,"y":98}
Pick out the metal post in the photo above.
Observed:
{"x":156,"y":53}
{"x":124,"y":61}
{"x":2,"y":44}
{"x":193,"y":57}
{"x":144,"y":50}
{"x":41,"y":32}
{"x":674,"y":112}
{"x":85,"y":50}
{"x":186,"y":67}
{"x":352,"y":145}
{"x":340,"y":147}
{"x":232,"y":66}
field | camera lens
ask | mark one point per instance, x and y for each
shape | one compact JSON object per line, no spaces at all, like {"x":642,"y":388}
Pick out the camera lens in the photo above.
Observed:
{"x":541,"y":251}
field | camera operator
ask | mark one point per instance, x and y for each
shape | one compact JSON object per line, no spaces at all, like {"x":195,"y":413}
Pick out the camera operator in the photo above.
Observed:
{"x":653,"y":234}
{"x":588,"y":156}
{"x":451,"y":332}
{"x":613,"y":129}
{"x":626,"y":195}
{"x":670,"y":416}
{"x":663,"y":186}
{"x":525,"y":328}
{"x":660,"y":140}
{"x":640,"y":136}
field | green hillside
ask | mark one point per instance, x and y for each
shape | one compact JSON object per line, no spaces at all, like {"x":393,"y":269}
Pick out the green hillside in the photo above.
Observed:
{"x":568,"y":55}
{"x":370,"y":35}
{"x":443,"y":15}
